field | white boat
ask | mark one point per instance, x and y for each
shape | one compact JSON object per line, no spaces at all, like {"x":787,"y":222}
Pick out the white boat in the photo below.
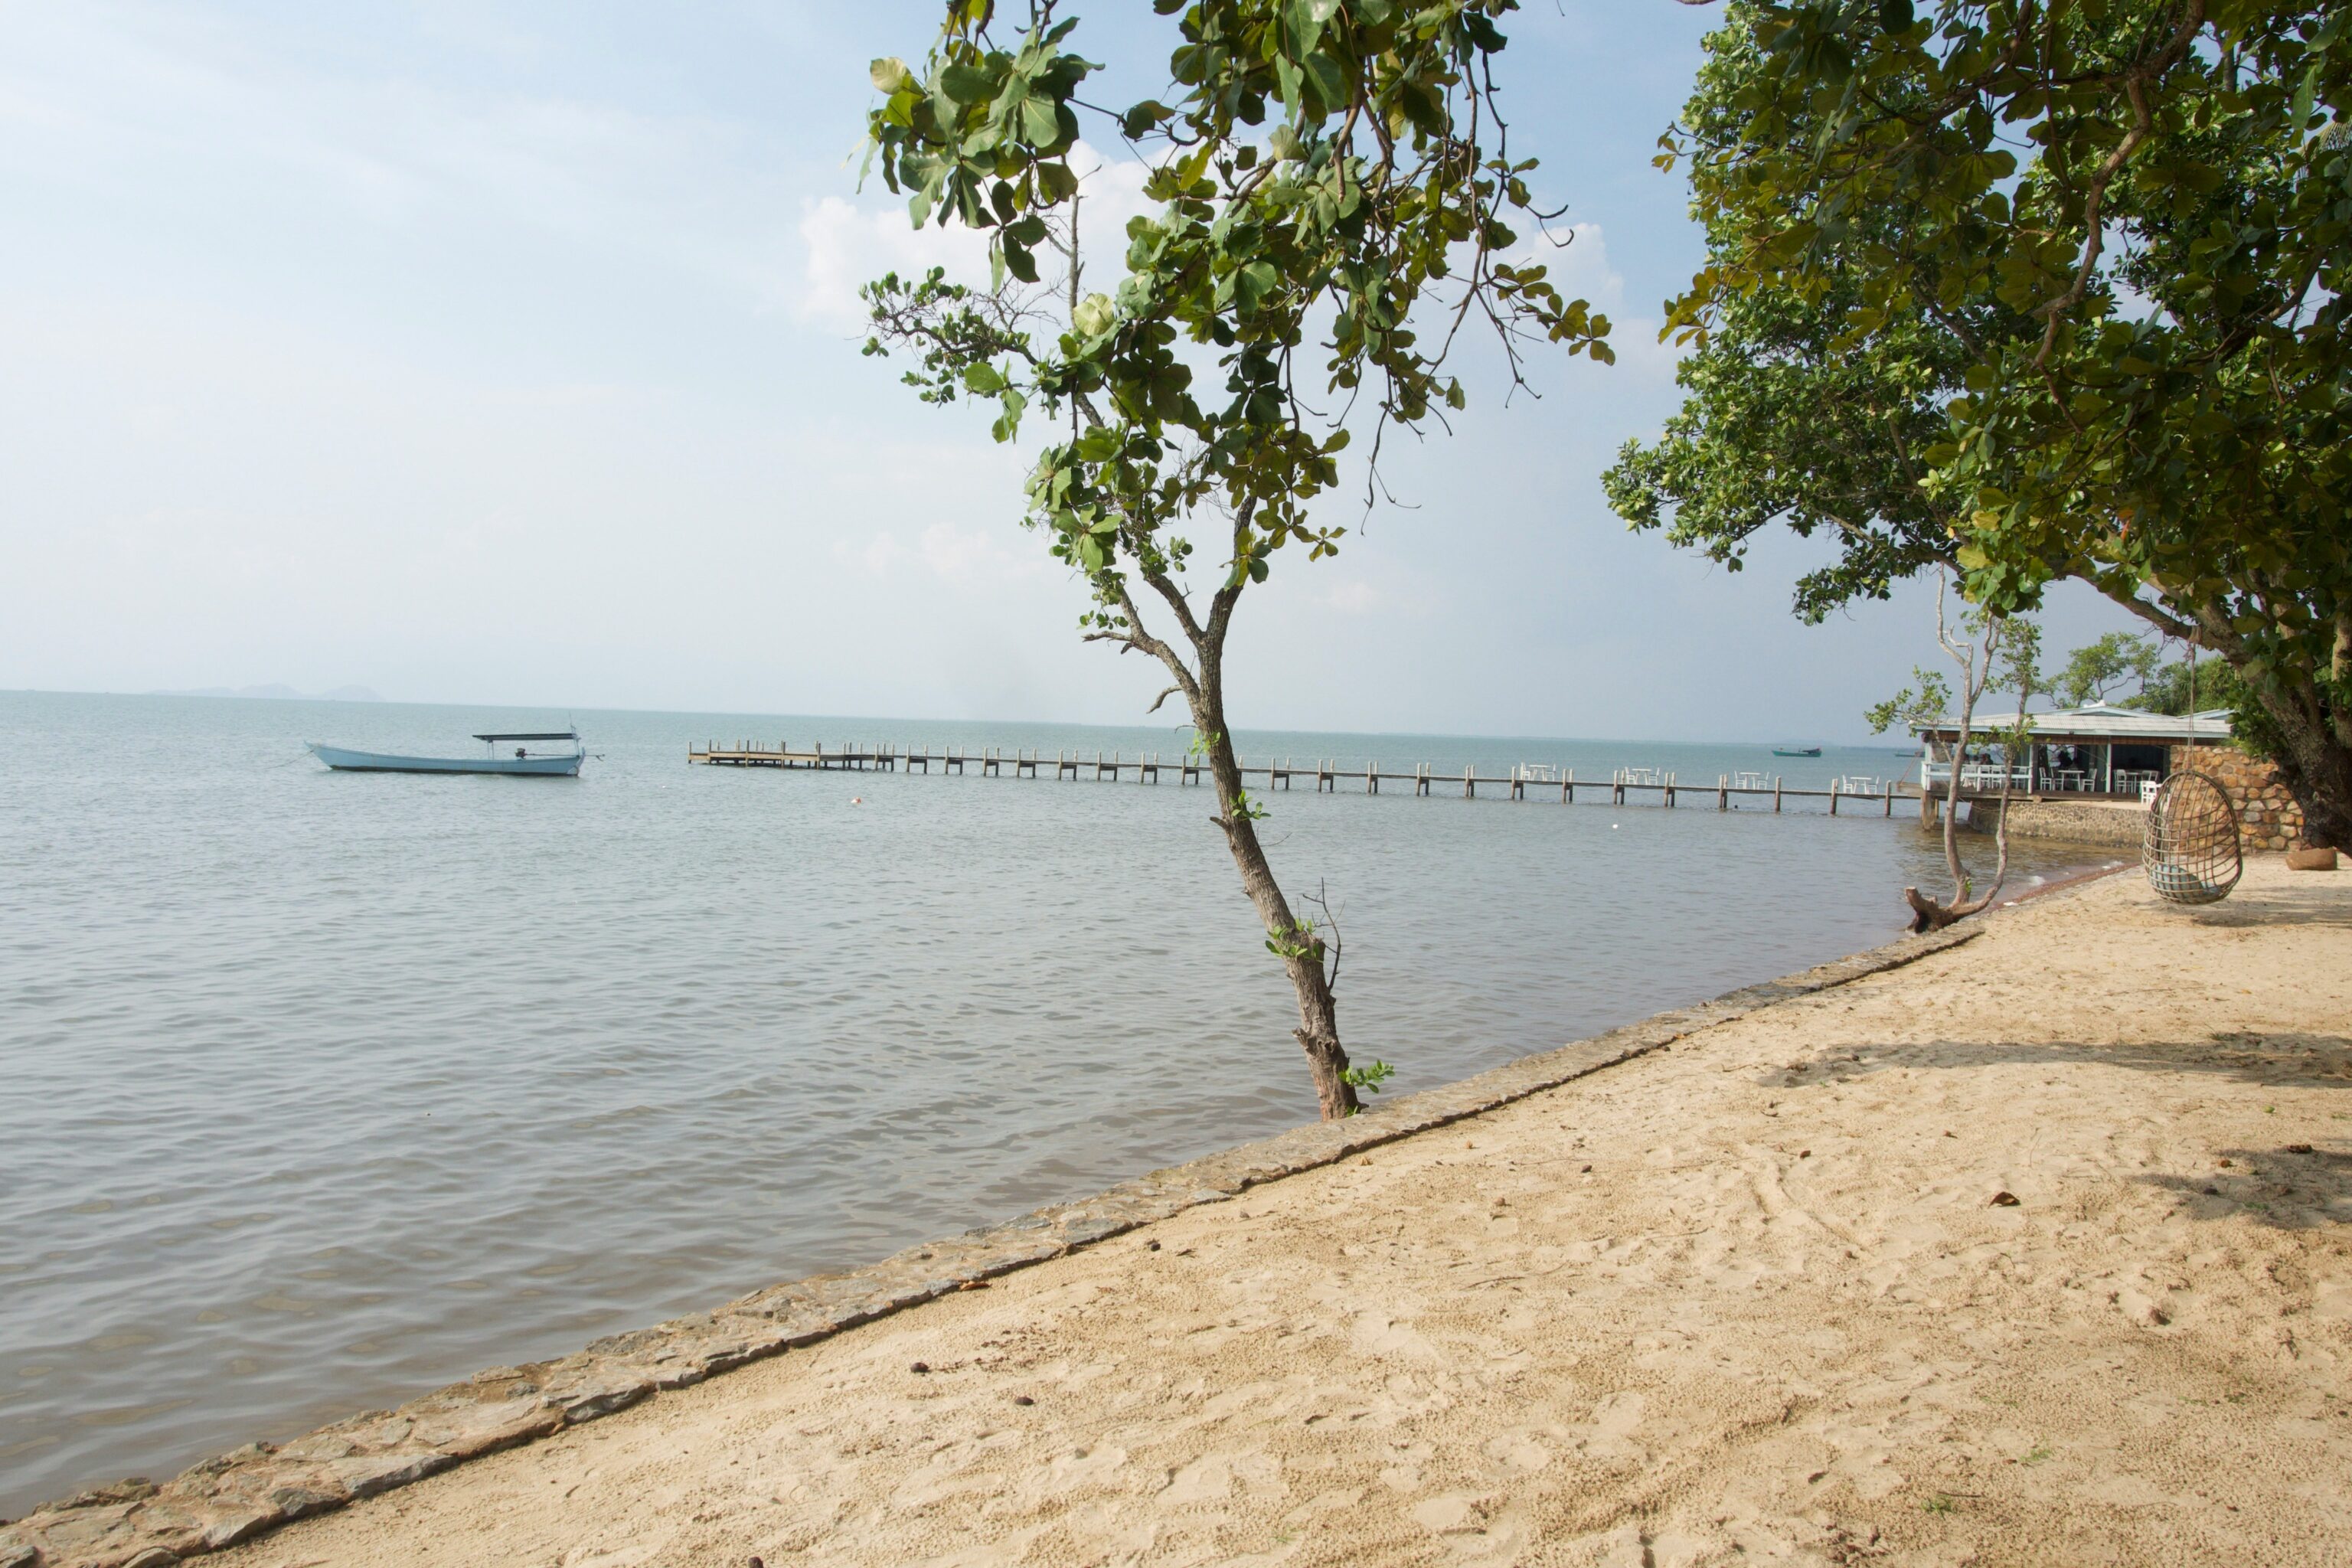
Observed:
{"x":523,"y":761}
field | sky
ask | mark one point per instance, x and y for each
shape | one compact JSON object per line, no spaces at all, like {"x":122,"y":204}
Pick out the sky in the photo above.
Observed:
{"x":487,"y":350}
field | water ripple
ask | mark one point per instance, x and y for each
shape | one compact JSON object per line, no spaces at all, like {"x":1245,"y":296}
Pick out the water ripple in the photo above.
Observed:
{"x":320,"y":1089}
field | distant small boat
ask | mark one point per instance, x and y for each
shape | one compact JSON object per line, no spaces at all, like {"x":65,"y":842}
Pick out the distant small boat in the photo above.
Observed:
{"x":1796,"y":751}
{"x":542,"y":764}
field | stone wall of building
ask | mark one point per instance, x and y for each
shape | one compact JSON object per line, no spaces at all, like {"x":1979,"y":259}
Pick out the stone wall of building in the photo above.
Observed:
{"x":2268,"y":817}
{"x":2113,"y":822}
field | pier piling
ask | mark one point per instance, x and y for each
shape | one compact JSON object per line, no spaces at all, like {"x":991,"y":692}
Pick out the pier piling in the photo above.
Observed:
{"x":1662,"y":786}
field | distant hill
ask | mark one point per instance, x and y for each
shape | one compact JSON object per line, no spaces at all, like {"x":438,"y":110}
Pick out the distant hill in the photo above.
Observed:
{"x":280,"y":692}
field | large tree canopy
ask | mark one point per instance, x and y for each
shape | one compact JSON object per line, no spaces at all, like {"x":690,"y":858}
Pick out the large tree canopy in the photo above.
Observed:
{"x":2104,"y":244}
{"x":1781,"y":423}
{"x":1339,"y":198}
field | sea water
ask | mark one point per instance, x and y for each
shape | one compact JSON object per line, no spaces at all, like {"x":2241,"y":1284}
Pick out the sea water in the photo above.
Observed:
{"x":320,"y":1089}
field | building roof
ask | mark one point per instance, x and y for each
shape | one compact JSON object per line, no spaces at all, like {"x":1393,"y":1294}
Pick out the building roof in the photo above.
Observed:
{"x":2097,"y":721}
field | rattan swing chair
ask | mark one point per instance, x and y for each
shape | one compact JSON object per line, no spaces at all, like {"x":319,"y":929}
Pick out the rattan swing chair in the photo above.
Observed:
{"x":2190,"y":848}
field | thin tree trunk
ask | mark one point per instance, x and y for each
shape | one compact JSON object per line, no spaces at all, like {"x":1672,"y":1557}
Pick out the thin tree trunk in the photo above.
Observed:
{"x":1318,"y":1022}
{"x":1203,"y":686}
{"x":1202,"y":683}
{"x":1927,"y":914}
{"x":1952,"y":792}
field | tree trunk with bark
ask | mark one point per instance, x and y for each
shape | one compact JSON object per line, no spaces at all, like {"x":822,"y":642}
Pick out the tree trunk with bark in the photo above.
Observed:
{"x":2311,"y":743}
{"x":1201,"y":680}
{"x":2313,"y":754}
{"x":2312,"y":746}
{"x":1318,"y":1019}
{"x":1929,"y":914}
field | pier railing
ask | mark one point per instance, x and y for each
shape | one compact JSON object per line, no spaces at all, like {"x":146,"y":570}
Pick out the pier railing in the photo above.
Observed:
{"x":1525,"y":781}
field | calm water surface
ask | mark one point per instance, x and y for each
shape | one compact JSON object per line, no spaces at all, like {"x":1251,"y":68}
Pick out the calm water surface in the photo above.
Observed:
{"x":318,"y":1090}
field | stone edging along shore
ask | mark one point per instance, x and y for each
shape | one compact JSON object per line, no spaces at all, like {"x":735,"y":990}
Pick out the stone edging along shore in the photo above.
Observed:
{"x":248,"y":1490}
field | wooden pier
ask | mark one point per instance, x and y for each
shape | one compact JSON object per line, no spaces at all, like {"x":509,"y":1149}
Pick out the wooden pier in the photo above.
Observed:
{"x":1524,"y":782}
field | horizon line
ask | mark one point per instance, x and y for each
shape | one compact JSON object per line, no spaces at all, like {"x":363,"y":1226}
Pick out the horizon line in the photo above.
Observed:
{"x":225,"y":695}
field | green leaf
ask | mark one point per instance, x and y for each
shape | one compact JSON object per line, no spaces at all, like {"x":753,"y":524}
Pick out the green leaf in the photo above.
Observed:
{"x":1095,"y":315}
{"x":1008,"y":421}
{"x":1041,"y":126}
{"x":890,"y":74}
{"x":1143,"y":118}
{"x":1253,"y":282}
{"x":965,"y":85}
{"x":1287,"y":79}
{"x":1303,"y":23}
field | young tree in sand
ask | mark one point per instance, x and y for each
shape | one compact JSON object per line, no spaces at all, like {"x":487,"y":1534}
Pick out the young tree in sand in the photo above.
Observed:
{"x":1992,"y":651}
{"x":2103,"y":248}
{"x":1339,"y":201}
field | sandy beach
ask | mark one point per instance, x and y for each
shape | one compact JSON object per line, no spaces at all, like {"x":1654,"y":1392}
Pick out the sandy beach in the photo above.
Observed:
{"x":2034,"y":1251}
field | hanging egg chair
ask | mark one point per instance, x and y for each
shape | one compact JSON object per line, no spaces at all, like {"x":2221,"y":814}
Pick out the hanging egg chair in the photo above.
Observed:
{"x":2190,"y":846}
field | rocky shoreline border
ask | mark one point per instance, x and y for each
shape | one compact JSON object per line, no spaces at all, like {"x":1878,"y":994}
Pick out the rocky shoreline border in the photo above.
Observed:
{"x":250,"y":1491}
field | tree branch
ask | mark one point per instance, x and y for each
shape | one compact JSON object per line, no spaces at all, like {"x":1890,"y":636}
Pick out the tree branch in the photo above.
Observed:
{"x":2135,"y":85}
{"x":1137,"y":638}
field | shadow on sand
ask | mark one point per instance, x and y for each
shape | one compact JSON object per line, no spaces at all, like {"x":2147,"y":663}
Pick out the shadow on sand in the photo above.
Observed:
{"x":2281,"y":1059}
{"x":2321,"y":901}
{"x":2293,"y":1185}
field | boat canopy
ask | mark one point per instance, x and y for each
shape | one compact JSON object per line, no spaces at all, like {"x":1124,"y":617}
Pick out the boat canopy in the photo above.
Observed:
{"x":533,"y":735}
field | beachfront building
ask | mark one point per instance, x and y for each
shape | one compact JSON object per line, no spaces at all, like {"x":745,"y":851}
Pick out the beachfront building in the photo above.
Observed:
{"x":2117,"y":753}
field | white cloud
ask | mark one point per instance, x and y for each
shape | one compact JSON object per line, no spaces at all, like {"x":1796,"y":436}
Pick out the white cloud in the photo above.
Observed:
{"x":1110,"y":193}
{"x":1353,"y":596}
{"x":1581,"y":269}
{"x":1577,"y":256}
{"x":982,"y":553}
{"x":844,"y":245}
{"x":93,"y":96}
{"x":965,"y":556}
{"x":880,"y":556}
